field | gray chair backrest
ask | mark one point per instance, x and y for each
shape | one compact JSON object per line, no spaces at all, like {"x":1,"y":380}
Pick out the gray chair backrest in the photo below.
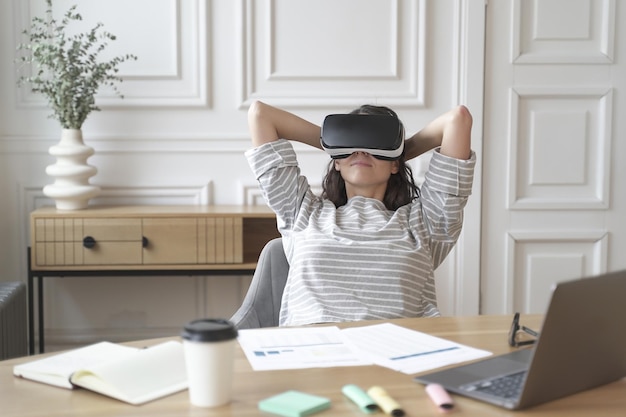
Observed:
{"x":261,"y":305}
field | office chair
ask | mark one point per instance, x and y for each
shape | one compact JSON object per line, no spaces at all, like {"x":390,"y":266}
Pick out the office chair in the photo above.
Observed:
{"x":261,"y":305}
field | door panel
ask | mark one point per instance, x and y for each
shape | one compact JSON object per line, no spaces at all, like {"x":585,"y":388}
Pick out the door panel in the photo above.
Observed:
{"x":552,"y":186}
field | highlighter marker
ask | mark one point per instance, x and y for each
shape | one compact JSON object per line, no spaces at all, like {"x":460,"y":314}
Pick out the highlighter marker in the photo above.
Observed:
{"x":440,"y":397}
{"x":365,"y":403}
{"x":385,"y":402}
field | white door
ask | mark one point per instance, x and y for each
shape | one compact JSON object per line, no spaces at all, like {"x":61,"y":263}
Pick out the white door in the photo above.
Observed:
{"x":554,"y":182}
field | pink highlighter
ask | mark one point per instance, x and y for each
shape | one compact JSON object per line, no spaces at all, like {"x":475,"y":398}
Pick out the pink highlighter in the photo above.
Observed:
{"x":440,"y":397}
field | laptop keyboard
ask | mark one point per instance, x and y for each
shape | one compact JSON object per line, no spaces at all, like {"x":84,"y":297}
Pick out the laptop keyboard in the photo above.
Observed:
{"x":507,"y":386}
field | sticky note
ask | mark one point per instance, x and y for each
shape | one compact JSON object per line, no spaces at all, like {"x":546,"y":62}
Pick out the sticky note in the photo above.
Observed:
{"x":294,"y":404}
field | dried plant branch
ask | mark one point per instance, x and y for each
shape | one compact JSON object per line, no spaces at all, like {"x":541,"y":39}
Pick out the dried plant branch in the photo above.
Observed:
{"x":67,"y":69}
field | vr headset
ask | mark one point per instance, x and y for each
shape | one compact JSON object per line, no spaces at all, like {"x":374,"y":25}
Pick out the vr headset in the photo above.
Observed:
{"x":381,"y":136}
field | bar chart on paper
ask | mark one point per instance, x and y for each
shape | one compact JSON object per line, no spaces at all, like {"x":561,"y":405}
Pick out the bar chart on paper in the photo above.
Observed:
{"x":291,"y":348}
{"x":384,"y":344}
{"x":407,"y":350}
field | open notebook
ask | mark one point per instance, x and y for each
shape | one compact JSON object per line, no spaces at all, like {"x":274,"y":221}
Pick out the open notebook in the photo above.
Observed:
{"x":125,"y":373}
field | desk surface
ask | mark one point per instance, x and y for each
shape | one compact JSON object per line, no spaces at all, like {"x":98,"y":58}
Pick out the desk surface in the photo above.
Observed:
{"x":22,"y":398}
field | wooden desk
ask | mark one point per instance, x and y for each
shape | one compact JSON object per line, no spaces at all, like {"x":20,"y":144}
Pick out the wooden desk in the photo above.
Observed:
{"x":142,"y":240}
{"x":26,"y":398}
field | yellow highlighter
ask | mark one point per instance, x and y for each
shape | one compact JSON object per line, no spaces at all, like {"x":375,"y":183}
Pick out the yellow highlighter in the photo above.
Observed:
{"x":385,"y":402}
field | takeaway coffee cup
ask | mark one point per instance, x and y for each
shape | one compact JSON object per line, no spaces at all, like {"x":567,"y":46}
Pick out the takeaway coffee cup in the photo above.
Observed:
{"x":209,"y":347}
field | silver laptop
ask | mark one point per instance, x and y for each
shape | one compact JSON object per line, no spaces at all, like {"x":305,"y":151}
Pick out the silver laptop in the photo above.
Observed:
{"x":582,"y":345}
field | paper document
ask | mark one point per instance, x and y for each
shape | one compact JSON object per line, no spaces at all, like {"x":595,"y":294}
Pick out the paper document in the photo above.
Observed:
{"x":386,"y":344}
{"x":292,"y":348}
{"x":407,"y":350}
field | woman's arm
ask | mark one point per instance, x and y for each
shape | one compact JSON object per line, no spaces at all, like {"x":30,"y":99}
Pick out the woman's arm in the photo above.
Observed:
{"x":267,"y":124}
{"x":451,"y":131}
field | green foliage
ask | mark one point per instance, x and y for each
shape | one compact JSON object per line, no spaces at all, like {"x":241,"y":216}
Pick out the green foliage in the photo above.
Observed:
{"x":66,"y":69}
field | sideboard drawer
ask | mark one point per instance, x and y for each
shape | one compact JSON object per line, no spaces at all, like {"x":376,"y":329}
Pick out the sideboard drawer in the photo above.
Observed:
{"x":112,"y":230}
{"x":149,"y":237}
{"x":111,"y":241}
{"x":112,"y":253}
{"x":67,"y":242}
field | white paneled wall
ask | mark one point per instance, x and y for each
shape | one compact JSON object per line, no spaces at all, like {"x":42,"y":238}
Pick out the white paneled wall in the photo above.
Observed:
{"x":179,"y":134}
{"x":547,"y":204}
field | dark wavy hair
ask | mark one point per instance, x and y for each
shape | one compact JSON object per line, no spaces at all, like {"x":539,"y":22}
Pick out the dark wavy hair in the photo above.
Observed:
{"x":401,"y":188}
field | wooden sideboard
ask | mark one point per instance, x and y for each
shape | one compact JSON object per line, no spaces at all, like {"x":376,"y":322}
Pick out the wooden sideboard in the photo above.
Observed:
{"x":143,"y":240}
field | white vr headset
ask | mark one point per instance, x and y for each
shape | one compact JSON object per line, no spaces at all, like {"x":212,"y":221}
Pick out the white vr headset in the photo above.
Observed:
{"x":381,"y":136}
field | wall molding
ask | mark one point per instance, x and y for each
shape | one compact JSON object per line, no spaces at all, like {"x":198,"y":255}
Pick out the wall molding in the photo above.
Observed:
{"x":402,"y":86}
{"x":591,"y":195}
{"x":183,"y":81}
{"x":596,"y":47}
{"x":595,"y":259}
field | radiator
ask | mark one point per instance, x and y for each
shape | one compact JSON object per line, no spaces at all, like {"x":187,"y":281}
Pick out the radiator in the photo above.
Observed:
{"x":13,"y":322}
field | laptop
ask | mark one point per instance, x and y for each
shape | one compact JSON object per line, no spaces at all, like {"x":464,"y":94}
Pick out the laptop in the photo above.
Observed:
{"x":582,"y":345}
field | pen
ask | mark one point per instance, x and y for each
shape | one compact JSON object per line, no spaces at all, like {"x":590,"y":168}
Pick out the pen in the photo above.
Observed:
{"x":385,"y":402}
{"x":440,"y":397}
{"x":365,"y":403}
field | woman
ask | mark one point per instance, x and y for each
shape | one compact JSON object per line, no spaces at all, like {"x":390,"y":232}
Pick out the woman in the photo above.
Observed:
{"x":368,"y":247}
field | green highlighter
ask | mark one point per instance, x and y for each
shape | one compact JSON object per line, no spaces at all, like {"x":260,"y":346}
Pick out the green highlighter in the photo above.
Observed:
{"x":365,"y":403}
{"x":294,"y":404}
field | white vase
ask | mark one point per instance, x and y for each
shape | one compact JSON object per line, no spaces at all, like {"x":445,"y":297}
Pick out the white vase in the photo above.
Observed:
{"x":71,"y":189}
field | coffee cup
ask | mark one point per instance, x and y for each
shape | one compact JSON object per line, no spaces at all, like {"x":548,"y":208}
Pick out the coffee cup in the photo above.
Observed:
{"x":209,"y":358}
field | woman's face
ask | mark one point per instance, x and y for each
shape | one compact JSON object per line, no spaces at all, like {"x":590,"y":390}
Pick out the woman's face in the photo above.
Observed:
{"x":365,"y":175}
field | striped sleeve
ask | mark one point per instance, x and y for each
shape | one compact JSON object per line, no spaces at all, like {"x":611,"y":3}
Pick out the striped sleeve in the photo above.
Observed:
{"x":450,"y":175}
{"x":444,"y":193}
{"x":275,"y":167}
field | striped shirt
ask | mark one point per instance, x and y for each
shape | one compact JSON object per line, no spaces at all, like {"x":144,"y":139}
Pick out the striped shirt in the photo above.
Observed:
{"x":361,"y":261}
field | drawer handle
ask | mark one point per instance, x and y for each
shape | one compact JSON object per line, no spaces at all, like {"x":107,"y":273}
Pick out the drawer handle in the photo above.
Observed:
{"x":89,"y":242}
